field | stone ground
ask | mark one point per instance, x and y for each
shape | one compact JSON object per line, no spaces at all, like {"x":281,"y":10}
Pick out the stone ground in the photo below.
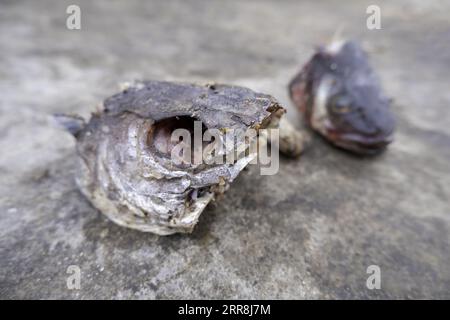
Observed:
{"x":308,"y":232}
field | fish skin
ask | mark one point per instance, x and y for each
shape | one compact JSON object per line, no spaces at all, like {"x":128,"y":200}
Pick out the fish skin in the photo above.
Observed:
{"x":136,"y":187}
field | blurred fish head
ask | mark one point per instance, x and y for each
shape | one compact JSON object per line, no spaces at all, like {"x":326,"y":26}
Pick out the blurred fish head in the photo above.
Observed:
{"x":356,"y":118}
{"x":343,"y":100}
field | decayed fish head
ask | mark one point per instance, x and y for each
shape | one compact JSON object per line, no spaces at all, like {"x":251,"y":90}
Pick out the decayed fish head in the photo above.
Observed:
{"x":341,"y":98}
{"x":127,"y":165}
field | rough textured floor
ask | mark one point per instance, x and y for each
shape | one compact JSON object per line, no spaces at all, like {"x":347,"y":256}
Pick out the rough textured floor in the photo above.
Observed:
{"x":308,"y":232}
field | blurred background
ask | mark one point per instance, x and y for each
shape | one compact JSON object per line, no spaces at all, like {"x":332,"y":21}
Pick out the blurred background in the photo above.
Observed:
{"x":308,"y":232}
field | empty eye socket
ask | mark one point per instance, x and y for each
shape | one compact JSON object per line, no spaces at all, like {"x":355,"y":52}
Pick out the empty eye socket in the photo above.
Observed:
{"x":160,"y":134}
{"x":341,"y":104}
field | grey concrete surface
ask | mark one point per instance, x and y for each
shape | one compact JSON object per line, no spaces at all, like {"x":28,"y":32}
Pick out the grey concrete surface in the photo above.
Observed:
{"x":308,"y":232}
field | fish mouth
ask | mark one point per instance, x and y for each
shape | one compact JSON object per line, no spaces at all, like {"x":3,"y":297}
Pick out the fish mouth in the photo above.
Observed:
{"x":364,"y":144}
